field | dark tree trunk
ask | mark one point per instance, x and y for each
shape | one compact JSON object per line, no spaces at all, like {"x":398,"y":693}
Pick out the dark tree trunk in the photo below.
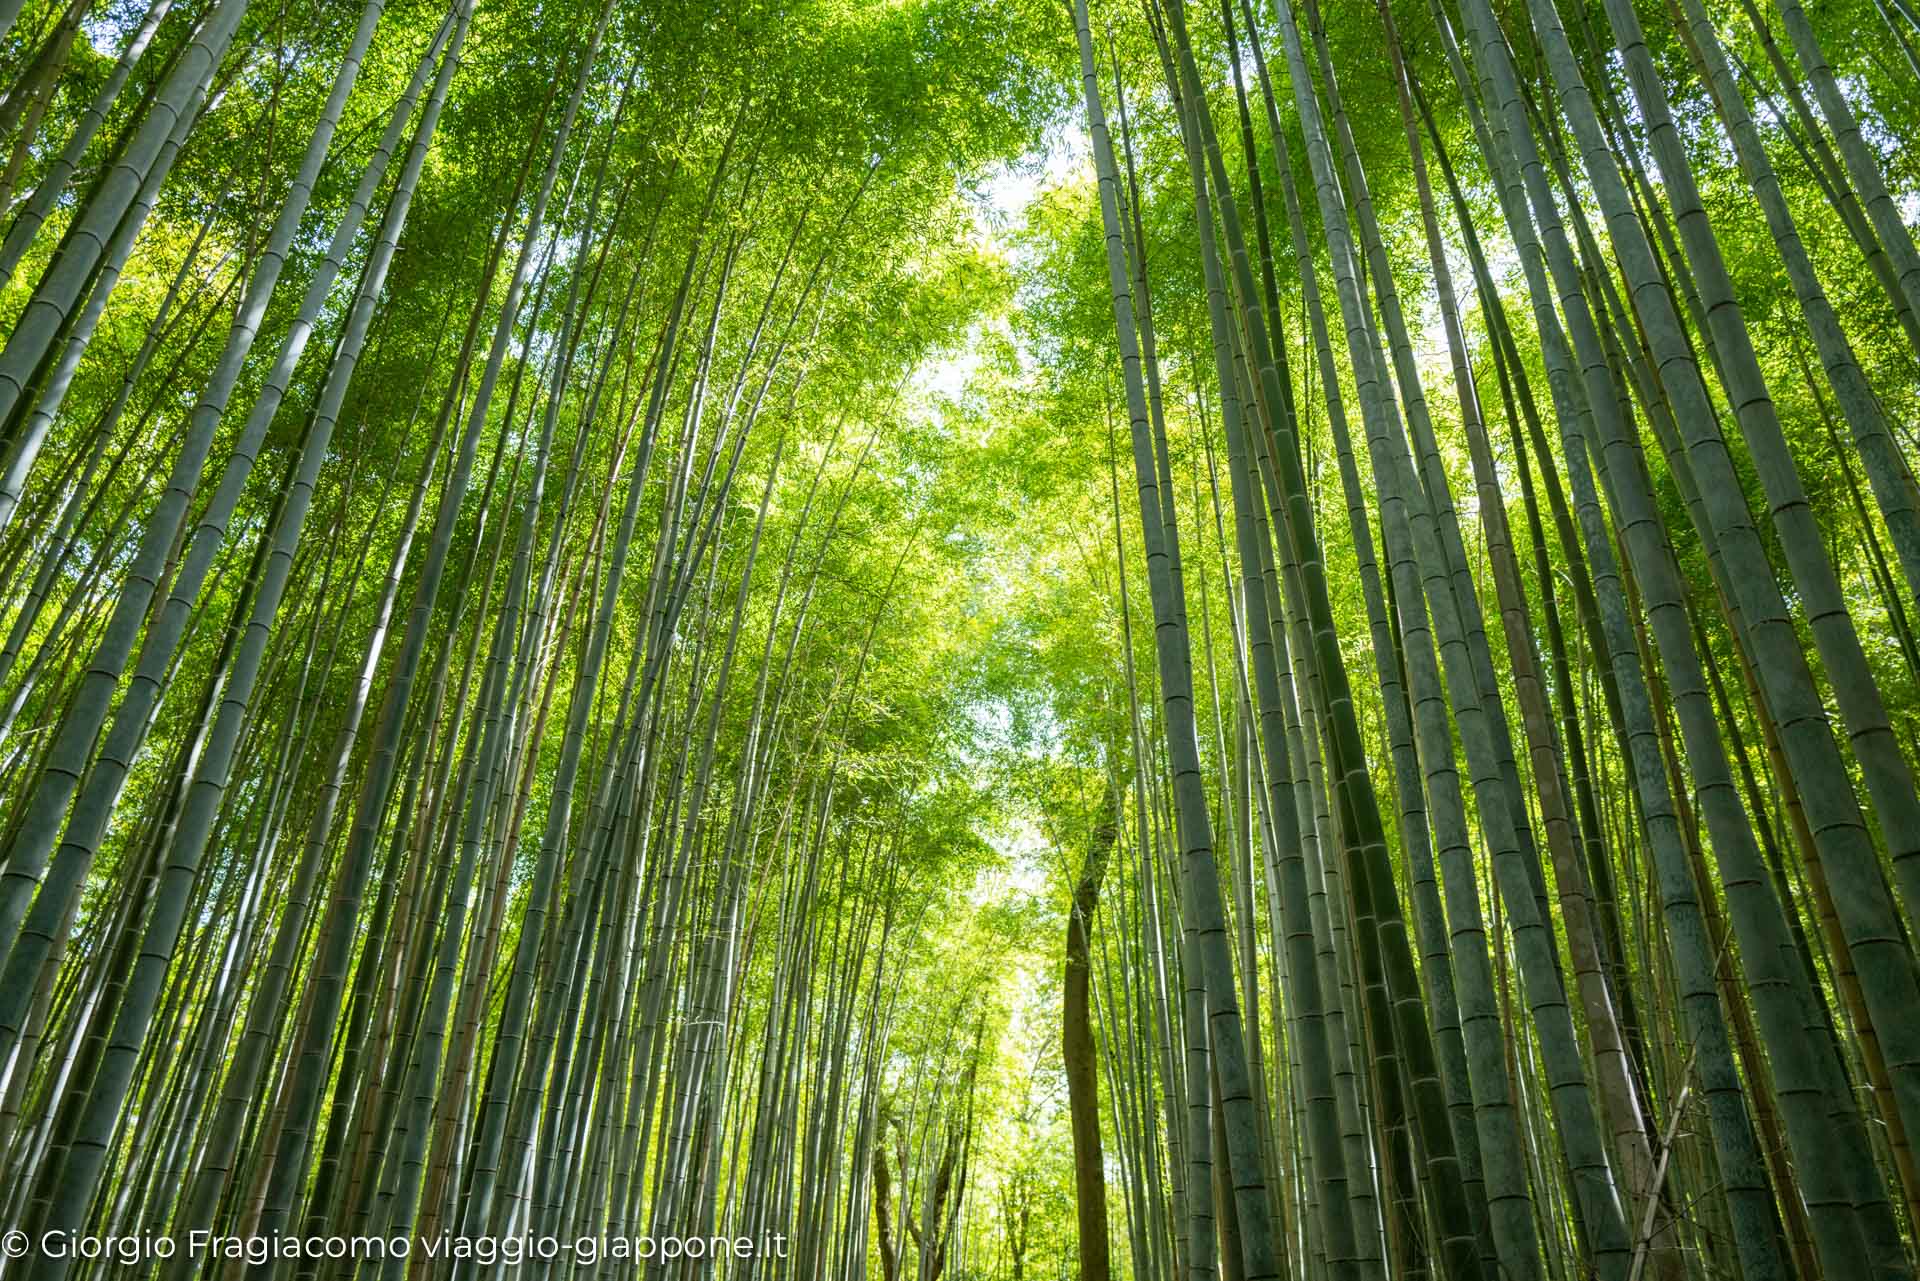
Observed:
{"x":1079,"y":1054}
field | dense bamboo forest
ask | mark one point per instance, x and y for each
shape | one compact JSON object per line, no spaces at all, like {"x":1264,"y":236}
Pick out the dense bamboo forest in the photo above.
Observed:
{"x":959,"y":640}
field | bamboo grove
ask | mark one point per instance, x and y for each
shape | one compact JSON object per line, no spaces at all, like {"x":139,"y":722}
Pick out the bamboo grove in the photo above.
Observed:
{"x":980,"y":639}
